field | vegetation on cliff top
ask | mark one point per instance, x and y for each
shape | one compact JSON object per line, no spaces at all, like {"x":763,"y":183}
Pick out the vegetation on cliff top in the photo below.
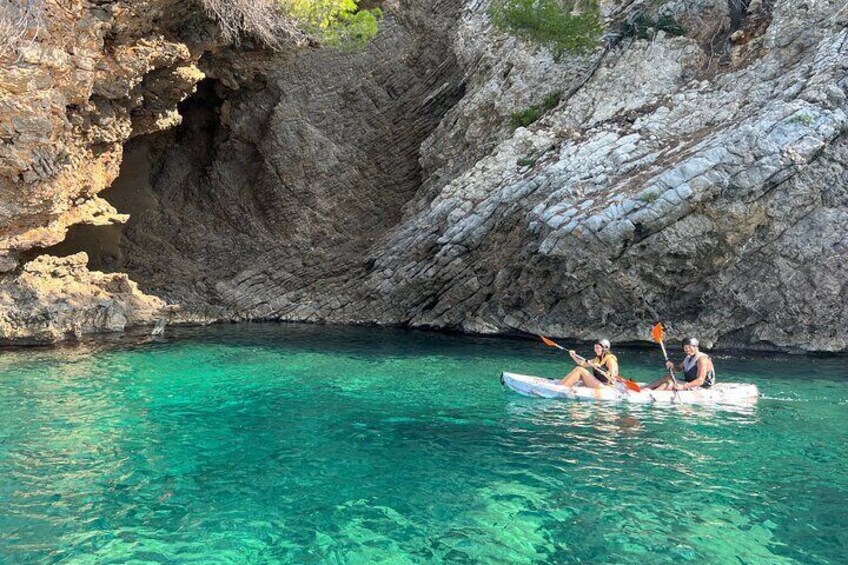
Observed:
{"x":560,"y":25}
{"x":337,"y":22}
{"x":333,"y":22}
{"x":340,"y":23}
{"x":529,"y":115}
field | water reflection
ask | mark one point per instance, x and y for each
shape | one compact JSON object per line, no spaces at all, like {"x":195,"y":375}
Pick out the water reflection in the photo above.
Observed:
{"x":609,"y":417}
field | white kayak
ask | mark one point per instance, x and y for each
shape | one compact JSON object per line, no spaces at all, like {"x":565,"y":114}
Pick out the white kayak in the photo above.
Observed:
{"x":720,"y":393}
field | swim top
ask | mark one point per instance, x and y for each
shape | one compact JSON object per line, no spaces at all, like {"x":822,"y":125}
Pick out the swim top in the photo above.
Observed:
{"x":690,"y":370}
{"x":604,"y":361}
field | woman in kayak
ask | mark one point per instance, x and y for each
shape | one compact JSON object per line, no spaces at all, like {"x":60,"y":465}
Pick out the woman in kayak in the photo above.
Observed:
{"x":588,"y":372}
{"x":698,"y":370}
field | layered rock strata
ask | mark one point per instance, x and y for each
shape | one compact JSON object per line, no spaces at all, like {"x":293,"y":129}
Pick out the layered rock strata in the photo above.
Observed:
{"x":288,"y":182}
{"x":675,"y":183}
{"x":665,"y":188}
{"x":697,"y":179}
{"x":84,"y":80}
{"x":706,"y":193}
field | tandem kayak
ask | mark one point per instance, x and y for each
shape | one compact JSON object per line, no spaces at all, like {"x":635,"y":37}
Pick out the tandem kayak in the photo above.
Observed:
{"x":720,"y":393}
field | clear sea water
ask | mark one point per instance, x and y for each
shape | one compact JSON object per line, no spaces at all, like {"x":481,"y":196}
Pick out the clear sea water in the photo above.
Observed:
{"x":307,"y":444}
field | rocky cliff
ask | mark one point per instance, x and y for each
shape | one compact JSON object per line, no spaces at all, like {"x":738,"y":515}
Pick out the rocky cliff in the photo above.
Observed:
{"x":86,"y":77}
{"x":695,"y":178}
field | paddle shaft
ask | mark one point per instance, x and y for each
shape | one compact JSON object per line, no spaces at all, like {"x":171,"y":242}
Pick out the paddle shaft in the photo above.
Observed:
{"x":670,"y":370}
{"x":584,"y":360}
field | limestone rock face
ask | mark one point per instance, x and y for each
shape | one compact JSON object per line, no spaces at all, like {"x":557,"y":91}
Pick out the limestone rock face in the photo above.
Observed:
{"x":96,"y":75}
{"x":662,"y":189}
{"x":52,"y":299}
{"x":697,"y":179}
{"x":273,"y":190}
{"x":667,"y":186}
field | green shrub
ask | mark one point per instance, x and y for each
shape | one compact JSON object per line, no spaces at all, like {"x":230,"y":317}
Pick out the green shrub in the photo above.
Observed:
{"x":551,"y":100}
{"x":337,"y":22}
{"x":355,"y":31}
{"x":529,"y":115}
{"x":560,"y":25}
{"x":275,"y":22}
{"x":803,"y":118}
{"x":649,"y":197}
{"x":525,"y":117}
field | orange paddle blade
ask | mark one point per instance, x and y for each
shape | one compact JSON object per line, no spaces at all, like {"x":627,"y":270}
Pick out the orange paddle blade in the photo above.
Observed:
{"x":631,"y":385}
{"x":657,"y":332}
{"x":548,"y":342}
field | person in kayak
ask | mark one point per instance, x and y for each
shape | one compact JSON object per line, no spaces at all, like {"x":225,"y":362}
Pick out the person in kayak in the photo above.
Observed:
{"x":698,"y":370}
{"x":587,"y":371}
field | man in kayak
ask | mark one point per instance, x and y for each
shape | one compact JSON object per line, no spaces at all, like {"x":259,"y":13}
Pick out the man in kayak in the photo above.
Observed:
{"x":698,"y":370}
{"x":589,"y":372}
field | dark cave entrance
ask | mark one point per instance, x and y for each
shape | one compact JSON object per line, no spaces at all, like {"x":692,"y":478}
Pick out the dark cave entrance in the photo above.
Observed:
{"x":134,"y":190}
{"x":131,"y":193}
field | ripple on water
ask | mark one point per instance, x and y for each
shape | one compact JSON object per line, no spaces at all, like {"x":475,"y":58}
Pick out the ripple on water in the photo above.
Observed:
{"x":317,"y":445}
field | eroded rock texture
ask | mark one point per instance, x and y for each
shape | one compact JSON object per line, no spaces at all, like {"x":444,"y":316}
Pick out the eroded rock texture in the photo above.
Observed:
{"x":697,"y":179}
{"x":271,"y":195}
{"x":53,"y":298}
{"x":97,"y":74}
{"x":665,"y":188}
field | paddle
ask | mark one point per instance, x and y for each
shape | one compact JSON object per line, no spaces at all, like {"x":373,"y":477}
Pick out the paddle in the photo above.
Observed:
{"x":657,"y":332}
{"x":628,"y":383}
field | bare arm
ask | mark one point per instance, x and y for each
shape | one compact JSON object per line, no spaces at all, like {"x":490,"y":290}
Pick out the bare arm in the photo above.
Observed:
{"x":612,"y":368}
{"x":578,"y":360}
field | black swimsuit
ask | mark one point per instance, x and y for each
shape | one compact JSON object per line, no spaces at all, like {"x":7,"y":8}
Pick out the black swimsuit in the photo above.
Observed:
{"x":690,"y":371}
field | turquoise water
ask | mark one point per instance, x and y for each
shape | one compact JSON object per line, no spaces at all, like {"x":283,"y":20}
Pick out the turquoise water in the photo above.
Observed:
{"x":293,"y":444}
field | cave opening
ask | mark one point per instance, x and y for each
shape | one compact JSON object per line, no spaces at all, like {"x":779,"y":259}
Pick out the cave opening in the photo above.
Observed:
{"x":134,"y":190}
{"x":272,"y":193}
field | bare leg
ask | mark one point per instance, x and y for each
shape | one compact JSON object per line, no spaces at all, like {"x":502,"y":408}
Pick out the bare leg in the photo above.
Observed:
{"x":577,"y":374}
{"x":581,"y":374}
{"x":660,"y":383}
{"x":591,"y":381}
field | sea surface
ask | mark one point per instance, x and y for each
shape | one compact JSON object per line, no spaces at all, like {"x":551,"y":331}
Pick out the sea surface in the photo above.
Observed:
{"x":256,"y":444}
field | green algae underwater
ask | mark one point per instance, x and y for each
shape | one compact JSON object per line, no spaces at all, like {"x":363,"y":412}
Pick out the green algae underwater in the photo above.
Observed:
{"x":312,"y":444}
